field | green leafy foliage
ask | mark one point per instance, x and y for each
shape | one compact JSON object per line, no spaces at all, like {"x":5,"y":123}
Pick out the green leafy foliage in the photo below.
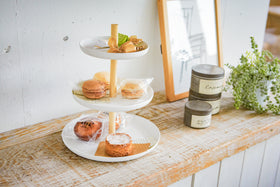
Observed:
{"x":122,"y":38}
{"x":251,"y":75}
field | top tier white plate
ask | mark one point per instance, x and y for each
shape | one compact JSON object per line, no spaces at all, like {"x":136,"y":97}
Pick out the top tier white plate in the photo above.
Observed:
{"x":117,"y":104}
{"x":88,"y":47}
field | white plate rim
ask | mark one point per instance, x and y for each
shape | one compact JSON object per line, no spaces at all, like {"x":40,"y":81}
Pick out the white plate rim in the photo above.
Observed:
{"x":100,"y":53}
{"x":107,"y":107}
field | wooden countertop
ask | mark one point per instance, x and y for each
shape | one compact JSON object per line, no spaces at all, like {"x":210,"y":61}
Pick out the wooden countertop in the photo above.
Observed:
{"x":36,"y":155}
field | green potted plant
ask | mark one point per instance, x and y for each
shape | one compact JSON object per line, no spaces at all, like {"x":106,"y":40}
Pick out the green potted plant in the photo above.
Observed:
{"x":255,"y":82}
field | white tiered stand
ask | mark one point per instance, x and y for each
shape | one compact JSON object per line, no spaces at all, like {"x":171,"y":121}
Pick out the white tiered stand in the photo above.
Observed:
{"x":140,"y":129}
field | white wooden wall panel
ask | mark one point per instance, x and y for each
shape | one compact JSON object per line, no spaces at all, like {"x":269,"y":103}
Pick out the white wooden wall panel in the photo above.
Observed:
{"x":207,"y":177}
{"x":11,"y":94}
{"x":187,"y":182}
{"x":241,"y":19}
{"x":37,"y":74}
{"x":270,"y":162}
{"x":43,"y":53}
{"x":230,"y":170}
{"x":277,"y":181}
{"x":256,"y":166}
{"x":49,"y":65}
{"x":252,"y":165}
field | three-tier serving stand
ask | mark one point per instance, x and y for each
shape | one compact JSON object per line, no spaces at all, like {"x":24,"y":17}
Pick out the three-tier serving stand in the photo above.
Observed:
{"x":140,"y":129}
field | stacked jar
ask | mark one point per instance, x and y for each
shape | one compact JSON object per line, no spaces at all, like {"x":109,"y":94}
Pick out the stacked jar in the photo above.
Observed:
{"x":206,"y":85}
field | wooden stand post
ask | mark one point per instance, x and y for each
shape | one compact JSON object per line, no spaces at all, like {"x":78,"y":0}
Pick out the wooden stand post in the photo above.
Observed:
{"x":113,"y":79}
{"x":112,"y":117}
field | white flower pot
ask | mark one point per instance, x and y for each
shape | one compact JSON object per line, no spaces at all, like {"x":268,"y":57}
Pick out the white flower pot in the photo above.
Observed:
{"x":261,"y":98}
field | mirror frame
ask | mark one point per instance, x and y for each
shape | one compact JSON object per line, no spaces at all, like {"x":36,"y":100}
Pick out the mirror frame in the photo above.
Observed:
{"x":166,"y":51}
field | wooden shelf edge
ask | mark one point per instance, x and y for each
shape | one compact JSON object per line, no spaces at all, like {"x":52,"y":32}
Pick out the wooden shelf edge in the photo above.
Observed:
{"x":39,"y":130}
{"x":210,"y":157}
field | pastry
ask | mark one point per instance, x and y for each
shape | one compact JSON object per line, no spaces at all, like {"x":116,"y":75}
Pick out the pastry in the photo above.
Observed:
{"x":128,"y":47}
{"x":104,"y":77}
{"x":87,"y":130}
{"x":94,"y":89}
{"x":113,"y":46}
{"x":136,"y":41}
{"x":119,"y":144}
{"x":125,"y":44}
{"x":132,"y":90}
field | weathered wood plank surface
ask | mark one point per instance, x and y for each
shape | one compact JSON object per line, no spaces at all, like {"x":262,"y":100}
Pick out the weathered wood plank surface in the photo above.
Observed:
{"x":36,"y":155}
{"x":39,"y":130}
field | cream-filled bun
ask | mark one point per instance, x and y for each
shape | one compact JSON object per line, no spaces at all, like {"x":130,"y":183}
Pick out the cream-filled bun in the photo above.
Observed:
{"x":104,"y":77}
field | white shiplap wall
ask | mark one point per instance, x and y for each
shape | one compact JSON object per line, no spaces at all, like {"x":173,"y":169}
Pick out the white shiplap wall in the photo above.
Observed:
{"x":257,"y":166}
{"x":37,"y":74}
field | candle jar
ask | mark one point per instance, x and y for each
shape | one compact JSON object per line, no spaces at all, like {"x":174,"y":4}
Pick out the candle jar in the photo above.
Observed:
{"x":207,"y":79}
{"x":197,"y":114}
{"x":213,"y":100}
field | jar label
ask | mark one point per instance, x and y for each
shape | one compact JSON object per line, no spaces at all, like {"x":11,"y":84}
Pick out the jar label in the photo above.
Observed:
{"x":210,"y":87}
{"x":215,"y":106}
{"x":200,"y":121}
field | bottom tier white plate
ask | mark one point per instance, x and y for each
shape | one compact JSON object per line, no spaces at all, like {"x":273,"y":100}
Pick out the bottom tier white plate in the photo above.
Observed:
{"x":140,"y":129}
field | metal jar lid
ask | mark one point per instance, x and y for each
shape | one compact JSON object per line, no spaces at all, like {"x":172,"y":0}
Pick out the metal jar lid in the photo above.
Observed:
{"x":200,"y":108}
{"x":208,"y":71}
{"x":197,"y":96}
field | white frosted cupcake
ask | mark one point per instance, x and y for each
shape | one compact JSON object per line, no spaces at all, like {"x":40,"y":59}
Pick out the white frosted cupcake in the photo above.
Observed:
{"x":118,"y":145}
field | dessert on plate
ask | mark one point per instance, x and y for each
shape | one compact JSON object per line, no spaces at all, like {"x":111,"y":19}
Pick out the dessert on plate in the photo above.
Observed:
{"x":127,"y":47}
{"x":94,"y":89}
{"x":126,"y":44}
{"x":104,"y":77}
{"x":88,"y":129}
{"x":118,"y":145}
{"x":132,"y":90}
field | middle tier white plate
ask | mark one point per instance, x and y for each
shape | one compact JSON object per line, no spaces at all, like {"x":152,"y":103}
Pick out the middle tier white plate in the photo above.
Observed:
{"x":117,"y":104}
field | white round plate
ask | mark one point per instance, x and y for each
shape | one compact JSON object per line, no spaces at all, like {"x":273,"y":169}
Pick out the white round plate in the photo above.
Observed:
{"x":117,"y":104}
{"x":88,"y":47}
{"x":140,"y":129}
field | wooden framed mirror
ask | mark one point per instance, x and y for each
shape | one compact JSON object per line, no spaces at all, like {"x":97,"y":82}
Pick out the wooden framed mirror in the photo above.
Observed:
{"x":190,"y":35}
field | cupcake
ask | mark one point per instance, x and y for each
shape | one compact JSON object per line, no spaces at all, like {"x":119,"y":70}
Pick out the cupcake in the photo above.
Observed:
{"x":118,"y":145}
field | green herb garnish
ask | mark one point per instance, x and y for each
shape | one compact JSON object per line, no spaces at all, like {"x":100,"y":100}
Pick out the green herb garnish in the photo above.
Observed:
{"x":122,"y":38}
